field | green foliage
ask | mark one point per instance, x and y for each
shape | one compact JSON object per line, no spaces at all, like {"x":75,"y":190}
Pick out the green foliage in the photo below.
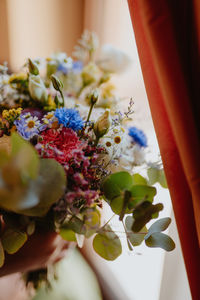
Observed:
{"x":139,"y":179}
{"x":158,"y":226}
{"x":47,"y":188}
{"x":76,"y":225}
{"x":157,"y":175}
{"x":116,"y":183}
{"x":91,"y":221}
{"x":67,"y":234}
{"x":140,"y":193}
{"x":161,"y":240}
{"x":143,"y":213}
{"x":35,"y":183}
{"x":135,"y":238}
{"x":155,"y":238}
{"x":107,"y":244}
{"x":13,"y":240}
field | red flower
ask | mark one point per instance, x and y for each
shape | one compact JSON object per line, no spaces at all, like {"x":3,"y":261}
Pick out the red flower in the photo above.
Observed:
{"x":59,"y":144}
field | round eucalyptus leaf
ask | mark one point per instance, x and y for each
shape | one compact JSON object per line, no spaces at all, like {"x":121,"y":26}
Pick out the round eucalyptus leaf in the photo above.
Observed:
{"x":115,"y":183}
{"x":139,"y":179}
{"x":135,"y":238}
{"x":67,"y":234}
{"x":13,"y":240}
{"x":160,"y":240}
{"x":158,"y":226}
{"x":107,"y":244}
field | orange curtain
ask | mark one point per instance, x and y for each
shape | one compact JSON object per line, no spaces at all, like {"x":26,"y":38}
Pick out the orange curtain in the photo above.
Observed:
{"x":166,"y":33}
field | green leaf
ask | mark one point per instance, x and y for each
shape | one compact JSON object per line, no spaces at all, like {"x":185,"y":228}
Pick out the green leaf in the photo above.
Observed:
{"x":161,"y":240}
{"x":115,"y":183}
{"x":91,"y":221}
{"x":162,"y":179}
{"x":140,"y":193}
{"x":135,"y":238}
{"x":159,"y":226}
{"x":143,"y":214}
{"x":76,"y":225}
{"x":107,"y":244}
{"x":47,"y":188}
{"x":157,"y":175}
{"x":138,"y":179}
{"x":153,"y":175}
{"x":67,"y":234}
{"x":25,"y":156}
{"x":13,"y":240}
{"x":2,"y":255}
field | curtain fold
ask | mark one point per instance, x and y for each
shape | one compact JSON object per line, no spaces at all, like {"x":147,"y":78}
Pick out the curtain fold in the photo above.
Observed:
{"x":167,"y":41}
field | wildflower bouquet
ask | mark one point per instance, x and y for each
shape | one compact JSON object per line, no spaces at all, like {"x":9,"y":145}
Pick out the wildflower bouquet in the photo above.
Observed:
{"x":65,"y":150}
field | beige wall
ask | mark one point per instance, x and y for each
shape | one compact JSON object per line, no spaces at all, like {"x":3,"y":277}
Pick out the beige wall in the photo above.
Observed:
{"x":4,"y":43}
{"x":39,"y":27}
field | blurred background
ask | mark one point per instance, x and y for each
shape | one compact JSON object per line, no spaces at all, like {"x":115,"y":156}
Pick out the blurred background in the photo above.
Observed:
{"x":37,"y":28}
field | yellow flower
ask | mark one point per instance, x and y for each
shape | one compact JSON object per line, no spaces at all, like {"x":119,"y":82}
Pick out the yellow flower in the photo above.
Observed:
{"x":11,"y":114}
{"x":17,"y":77}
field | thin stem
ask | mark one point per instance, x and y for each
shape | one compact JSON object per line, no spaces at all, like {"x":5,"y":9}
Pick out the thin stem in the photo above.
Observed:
{"x":89,"y":114}
{"x":108,"y":221}
{"x":63,"y":99}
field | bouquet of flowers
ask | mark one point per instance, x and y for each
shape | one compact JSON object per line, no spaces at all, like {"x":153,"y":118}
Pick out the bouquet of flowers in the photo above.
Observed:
{"x":65,"y":150}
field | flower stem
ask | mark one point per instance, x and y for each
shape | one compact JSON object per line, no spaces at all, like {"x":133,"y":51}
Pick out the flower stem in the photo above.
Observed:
{"x":90,"y":111}
{"x":63,"y":99}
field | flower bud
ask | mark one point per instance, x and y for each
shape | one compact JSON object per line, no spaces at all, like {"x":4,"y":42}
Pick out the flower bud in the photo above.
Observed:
{"x":93,"y":97}
{"x":33,"y":69}
{"x":37,"y":88}
{"x":102,"y":125}
{"x":57,"y":84}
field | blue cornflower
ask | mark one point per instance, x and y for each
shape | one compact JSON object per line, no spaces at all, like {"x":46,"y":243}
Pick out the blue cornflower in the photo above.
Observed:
{"x":76,"y":67}
{"x":69,"y":117}
{"x":138,"y":136}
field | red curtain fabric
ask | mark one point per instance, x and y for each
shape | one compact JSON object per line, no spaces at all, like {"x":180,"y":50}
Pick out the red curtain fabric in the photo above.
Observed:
{"x":168,"y":41}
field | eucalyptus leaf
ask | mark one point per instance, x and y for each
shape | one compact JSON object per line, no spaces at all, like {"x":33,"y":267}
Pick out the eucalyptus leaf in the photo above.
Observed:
{"x":116,"y":183}
{"x":160,"y":240}
{"x":25,"y":156}
{"x":139,"y":179}
{"x":67,"y":234}
{"x":13,"y":240}
{"x":91,"y":221}
{"x":107,"y":244}
{"x":144,"y":213}
{"x":2,"y":255}
{"x":48,"y":187}
{"x":135,"y":238}
{"x":140,"y":193}
{"x":157,"y":175}
{"x":77,"y":225}
{"x":158,"y":226}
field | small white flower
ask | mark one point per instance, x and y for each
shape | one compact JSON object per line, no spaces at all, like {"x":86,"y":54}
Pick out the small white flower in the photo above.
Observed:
{"x":49,"y":118}
{"x":32,"y":123}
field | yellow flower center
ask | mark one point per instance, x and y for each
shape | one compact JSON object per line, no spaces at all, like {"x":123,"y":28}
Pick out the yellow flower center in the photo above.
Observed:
{"x":117,"y":139}
{"x":31,"y":124}
{"x":108,"y":144}
{"x":49,"y":116}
